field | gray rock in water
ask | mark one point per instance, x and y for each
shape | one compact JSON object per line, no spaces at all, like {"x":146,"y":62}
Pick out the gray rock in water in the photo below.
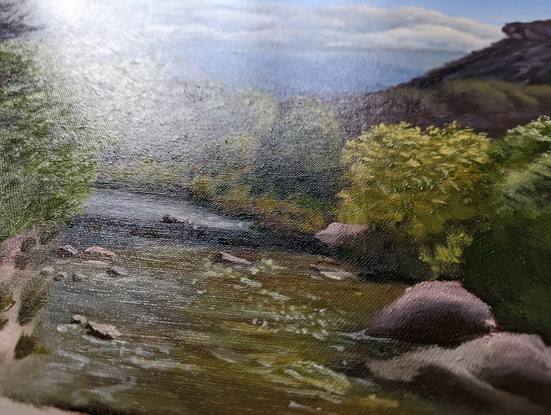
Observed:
{"x":78,"y":277}
{"x":174,"y":219}
{"x":225,"y":258}
{"x":47,"y":271}
{"x":102,"y":331}
{"x":331,"y":271}
{"x":66,"y":251}
{"x":79,"y":319}
{"x":434,"y":312}
{"x":504,"y":371}
{"x":98,"y":252}
{"x":116,"y":272}
{"x":60,"y":276}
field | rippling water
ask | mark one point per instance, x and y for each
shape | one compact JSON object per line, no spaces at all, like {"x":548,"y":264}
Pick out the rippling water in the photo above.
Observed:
{"x":199,"y":337}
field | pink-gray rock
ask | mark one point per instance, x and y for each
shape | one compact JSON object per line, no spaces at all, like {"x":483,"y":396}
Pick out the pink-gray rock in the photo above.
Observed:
{"x":516,"y":363}
{"x":225,"y":258}
{"x":66,"y":251}
{"x":102,"y":331}
{"x":505,"y":371}
{"x":434,"y":312}
{"x":79,"y":319}
{"x":374,"y":251}
{"x":98,"y":252}
{"x":338,"y":233}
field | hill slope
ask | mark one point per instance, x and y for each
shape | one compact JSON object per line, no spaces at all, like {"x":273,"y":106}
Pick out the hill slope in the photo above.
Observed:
{"x":492,"y":90}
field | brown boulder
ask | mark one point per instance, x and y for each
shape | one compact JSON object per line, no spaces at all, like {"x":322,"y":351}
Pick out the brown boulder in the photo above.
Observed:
{"x":434,"y":312}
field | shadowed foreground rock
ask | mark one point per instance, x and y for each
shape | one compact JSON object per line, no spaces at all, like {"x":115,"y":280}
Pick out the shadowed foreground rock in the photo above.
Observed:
{"x":434,"y":312}
{"x":504,"y":371}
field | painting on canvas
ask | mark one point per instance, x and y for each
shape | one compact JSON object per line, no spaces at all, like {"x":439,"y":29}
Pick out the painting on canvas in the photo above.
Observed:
{"x":275,"y":207}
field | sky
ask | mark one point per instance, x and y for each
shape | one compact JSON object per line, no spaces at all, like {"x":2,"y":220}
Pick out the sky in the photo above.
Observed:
{"x":496,"y":12}
{"x":302,"y":45}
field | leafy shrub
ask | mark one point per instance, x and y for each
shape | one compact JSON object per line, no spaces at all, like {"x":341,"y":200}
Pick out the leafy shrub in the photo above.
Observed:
{"x":425,"y":184}
{"x":508,"y":266}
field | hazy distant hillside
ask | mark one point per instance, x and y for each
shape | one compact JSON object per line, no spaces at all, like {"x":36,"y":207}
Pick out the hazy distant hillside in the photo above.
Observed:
{"x":492,"y":90}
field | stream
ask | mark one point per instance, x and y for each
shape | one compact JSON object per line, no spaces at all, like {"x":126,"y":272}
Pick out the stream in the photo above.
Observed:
{"x":201,"y":337}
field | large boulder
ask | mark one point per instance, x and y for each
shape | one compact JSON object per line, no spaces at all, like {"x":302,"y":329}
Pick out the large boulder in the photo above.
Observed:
{"x":434,"y":312}
{"x":516,"y":363}
{"x":504,"y":371}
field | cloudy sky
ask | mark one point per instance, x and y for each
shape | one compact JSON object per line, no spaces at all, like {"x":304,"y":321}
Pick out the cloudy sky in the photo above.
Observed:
{"x":245,"y":38}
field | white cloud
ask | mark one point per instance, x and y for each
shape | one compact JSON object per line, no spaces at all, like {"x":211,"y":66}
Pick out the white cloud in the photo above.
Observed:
{"x":348,"y":27}
{"x":266,"y":25}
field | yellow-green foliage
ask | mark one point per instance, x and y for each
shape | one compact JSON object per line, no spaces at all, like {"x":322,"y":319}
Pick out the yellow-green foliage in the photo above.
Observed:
{"x":291,"y":214}
{"x":294,"y":213}
{"x":445,"y":259}
{"x":496,"y":96}
{"x":420,"y":181}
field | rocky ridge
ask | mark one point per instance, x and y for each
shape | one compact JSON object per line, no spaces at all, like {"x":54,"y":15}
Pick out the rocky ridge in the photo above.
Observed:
{"x":492,"y":90}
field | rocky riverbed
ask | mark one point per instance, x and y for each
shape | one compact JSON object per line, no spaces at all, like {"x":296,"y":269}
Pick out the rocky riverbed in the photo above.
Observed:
{"x":203,"y":327}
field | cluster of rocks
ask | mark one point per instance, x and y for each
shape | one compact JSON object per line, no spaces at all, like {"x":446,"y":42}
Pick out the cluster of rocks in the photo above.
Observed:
{"x":460,"y":355}
{"x":91,"y":253}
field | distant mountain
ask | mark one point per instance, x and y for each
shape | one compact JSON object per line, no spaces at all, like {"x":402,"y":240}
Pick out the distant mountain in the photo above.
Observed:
{"x":492,"y":90}
{"x":523,"y":57}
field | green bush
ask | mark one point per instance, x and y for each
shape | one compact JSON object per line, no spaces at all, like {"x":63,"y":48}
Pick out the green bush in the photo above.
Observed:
{"x":424,"y":184}
{"x":508,"y":266}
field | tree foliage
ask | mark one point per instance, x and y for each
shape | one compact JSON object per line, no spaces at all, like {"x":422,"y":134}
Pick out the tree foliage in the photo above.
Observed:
{"x":420,"y":181}
{"x":45,"y":166}
{"x":524,"y":173}
{"x":301,"y":152}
